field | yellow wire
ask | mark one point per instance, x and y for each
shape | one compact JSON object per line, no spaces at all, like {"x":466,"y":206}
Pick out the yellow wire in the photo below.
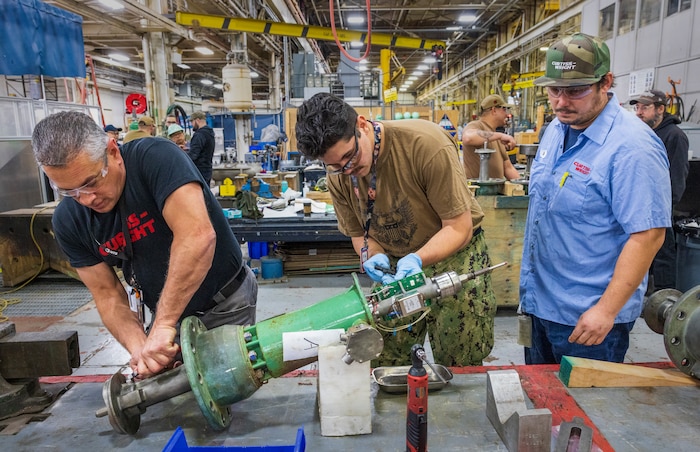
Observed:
{"x":5,"y":302}
{"x":402,"y":327}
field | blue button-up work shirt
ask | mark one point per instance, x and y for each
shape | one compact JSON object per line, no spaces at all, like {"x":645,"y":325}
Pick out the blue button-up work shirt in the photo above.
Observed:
{"x":584,"y":204}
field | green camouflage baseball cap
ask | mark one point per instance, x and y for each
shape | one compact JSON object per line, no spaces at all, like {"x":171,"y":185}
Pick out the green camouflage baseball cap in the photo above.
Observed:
{"x":576,"y":60}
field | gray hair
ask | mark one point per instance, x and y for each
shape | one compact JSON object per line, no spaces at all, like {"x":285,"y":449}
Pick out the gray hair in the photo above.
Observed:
{"x":59,"y":138}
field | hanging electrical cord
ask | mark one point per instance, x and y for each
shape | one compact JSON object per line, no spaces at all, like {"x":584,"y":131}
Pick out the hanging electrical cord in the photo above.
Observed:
{"x":5,"y":302}
{"x":337,"y":41}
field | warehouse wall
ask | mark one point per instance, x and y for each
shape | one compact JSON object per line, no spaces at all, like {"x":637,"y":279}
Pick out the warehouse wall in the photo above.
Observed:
{"x":667,"y":48}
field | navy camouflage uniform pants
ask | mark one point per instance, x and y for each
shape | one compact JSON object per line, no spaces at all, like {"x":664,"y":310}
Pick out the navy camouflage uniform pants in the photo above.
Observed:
{"x":460,"y":328}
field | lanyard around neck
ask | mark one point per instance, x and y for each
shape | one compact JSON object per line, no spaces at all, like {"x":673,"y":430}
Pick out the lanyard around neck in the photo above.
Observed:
{"x":372,"y":190}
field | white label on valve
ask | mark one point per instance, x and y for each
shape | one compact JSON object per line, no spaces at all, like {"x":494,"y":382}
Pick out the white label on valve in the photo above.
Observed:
{"x":305,"y":344}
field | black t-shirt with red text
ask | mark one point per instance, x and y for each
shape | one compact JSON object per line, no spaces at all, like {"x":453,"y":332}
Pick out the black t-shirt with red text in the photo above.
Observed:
{"x":155,"y":168}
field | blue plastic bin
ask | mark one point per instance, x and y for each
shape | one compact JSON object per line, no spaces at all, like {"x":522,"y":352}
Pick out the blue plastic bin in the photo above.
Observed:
{"x":272,"y":267}
{"x":256,"y":250}
{"x":178,"y":443}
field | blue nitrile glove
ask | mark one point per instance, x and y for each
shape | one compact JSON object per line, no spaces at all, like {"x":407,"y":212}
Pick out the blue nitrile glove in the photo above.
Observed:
{"x":407,"y":266}
{"x":380,"y":260}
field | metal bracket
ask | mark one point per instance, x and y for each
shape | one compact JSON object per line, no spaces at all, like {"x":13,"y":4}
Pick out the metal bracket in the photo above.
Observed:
{"x":520,"y":429}
{"x":574,"y":435}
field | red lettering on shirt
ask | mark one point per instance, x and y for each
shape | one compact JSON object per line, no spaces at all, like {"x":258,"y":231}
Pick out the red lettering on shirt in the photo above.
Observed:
{"x":581,"y":168}
{"x":138,"y":229}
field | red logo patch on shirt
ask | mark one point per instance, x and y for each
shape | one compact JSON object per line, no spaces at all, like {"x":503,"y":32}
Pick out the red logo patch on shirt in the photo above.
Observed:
{"x":581,"y":168}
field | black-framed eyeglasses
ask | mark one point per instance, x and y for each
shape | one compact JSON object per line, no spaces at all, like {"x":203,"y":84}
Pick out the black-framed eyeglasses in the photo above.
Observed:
{"x":571,"y":92}
{"x":337,"y":169}
{"x":504,"y":107}
{"x":88,"y":188}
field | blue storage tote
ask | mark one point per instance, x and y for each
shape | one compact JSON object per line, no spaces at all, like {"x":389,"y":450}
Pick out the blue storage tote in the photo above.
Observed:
{"x":178,"y":443}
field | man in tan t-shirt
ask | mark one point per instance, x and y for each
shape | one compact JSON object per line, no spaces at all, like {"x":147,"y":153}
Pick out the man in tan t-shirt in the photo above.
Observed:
{"x":494,"y":114}
{"x":406,"y":177}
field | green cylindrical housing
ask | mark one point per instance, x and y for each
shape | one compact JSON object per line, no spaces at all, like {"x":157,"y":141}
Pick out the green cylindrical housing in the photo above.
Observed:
{"x":341,"y":311}
{"x":229,"y":363}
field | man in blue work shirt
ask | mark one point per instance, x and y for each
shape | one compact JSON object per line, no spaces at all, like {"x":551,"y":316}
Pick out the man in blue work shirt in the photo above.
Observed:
{"x":600,"y":198}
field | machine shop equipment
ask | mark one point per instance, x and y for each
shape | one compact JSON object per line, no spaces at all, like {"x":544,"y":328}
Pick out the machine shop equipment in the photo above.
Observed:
{"x":676,"y":315}
{"x":529,"y":151}
{"x":26,"y":356}
{"x":487,"y":184}
{"x":229,"y":363}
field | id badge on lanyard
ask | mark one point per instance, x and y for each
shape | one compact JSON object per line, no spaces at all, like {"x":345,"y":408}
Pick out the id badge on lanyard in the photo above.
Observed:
{"x":364,"y":255}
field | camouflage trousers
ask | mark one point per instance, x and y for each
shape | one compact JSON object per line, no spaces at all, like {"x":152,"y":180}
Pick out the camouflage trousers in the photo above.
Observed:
{"x":460,"y":328}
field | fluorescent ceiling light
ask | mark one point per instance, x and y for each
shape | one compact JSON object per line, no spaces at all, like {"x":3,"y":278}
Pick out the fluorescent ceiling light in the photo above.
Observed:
{"x":356,"y":19}
{"x":218,"y":86}
{"x":430,"y":60}
{"x":544,"y":49}
{"x":413,"y":78}
{"x":417,"y":73}
{"x":206,"y":81}
{"x":182,"y":66}
{"x":204,"y":50}
{"x":423,"y":67}
{"x":403,"y":90}
{"x":453,"y":28}
{"x":363,"y":68}
{"x":113,"y":4}
{"x":119,"y":57}
{"x":254,"y":74}
{"x":363,"y":61}
{"x":356,"y":44}
{"x":467,"y":18}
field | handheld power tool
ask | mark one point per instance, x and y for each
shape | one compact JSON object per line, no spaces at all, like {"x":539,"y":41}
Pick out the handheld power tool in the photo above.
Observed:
{"x":417,"y":404}
{"x":416,"y":293}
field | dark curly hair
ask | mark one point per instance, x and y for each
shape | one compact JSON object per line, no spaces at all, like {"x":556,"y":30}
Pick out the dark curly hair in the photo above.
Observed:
{"x":322,"y":121}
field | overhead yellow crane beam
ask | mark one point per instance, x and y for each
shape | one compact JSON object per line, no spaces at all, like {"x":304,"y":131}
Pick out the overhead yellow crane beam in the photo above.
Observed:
{"x":460,"y":102}
{"x":302,"y":31}
{"x":518,"y":81}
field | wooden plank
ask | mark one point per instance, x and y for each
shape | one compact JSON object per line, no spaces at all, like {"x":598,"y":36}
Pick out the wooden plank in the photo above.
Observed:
{"x":504,"y":228}
{"x":590,"y":373}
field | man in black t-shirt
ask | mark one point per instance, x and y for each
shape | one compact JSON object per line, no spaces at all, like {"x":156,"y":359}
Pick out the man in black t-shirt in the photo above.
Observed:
{"x":144,"y":208}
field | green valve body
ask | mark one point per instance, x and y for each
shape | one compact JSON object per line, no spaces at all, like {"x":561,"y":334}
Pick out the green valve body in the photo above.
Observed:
{"x":229,"y":363}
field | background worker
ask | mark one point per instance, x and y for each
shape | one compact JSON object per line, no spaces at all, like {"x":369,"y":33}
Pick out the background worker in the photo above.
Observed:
{"x":170,"y":120}
{"x":494,"y":114}
{"x":651,"y":108}
{"x":202,"y":144}
{"x":146,"y":128}
{"x":592,"y":228}
{"x":400,"y":194}
{"x":146,"y":209}
{"x":112,"y":131}
{"x":176,"y":134}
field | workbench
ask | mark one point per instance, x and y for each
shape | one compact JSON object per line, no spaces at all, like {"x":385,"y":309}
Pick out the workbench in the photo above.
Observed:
{"x":314,"y":228}
{"x":504,"y":223}
{"x":624,"y":419}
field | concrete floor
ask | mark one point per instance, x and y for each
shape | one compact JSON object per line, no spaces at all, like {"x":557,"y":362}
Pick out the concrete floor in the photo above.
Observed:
{"x":102,"y":355}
